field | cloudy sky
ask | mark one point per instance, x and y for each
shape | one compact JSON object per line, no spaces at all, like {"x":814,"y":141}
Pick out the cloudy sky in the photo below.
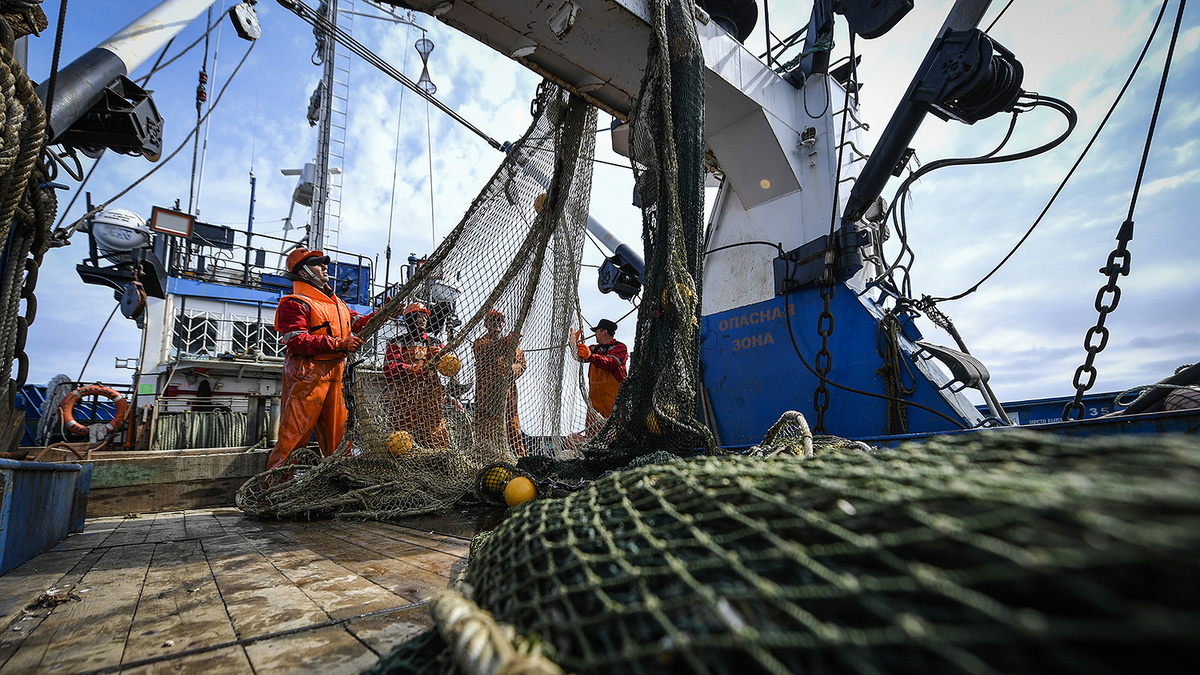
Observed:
{"x":1026,"y":323}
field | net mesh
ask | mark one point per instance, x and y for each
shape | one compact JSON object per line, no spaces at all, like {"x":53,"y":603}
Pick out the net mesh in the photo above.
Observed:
{"x":977,"y":553}
{"x":470,"y":362}
{"x":656,"y":406}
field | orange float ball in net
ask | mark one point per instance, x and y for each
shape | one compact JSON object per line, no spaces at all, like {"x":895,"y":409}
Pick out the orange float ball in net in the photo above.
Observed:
{"x":519,"y":491}
{"x":399,"y":443}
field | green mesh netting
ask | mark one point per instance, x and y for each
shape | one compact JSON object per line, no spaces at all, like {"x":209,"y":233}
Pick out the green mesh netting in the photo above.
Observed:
{"x":656,"y":406}
{"x":976,"y":553}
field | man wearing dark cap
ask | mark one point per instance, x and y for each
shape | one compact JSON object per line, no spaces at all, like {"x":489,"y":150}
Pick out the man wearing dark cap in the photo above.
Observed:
{"x":607,"y":358}
{"x":318,"y":330}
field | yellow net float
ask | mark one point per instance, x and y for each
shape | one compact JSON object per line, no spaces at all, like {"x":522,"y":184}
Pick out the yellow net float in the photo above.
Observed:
{"x":652,"y":423}
{"x":399,"y":443}
{"x":496,"y":479}
{"x":519,"y":490}
{"x":449,"y":365}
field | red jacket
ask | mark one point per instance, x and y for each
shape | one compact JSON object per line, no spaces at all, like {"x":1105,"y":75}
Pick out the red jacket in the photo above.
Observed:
{"x":310,"y":321}
{"x":606,"y":374}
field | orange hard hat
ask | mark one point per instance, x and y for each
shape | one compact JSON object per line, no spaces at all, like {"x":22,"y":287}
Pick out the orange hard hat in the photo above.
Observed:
{"x":494,"y":312}
{"x":416,"y":307}
{"x":302,"y":256}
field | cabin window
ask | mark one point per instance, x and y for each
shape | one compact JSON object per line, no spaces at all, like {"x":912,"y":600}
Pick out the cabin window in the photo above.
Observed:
{"x":245,"y":336}
{"x":195,"y":334}
{"x":272,"y":346}
{"x":249,"y":334}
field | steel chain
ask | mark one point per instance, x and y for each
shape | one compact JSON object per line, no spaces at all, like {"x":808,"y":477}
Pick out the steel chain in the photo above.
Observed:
{"x":824,"y":360}
{"x":1107,"y":299}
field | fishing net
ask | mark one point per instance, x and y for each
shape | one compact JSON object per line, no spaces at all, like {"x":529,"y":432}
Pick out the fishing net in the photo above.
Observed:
{"x":470,"y":365}
{"x":975,"y":553}
{"x":470,"y":362}
{"x":656,"y":406}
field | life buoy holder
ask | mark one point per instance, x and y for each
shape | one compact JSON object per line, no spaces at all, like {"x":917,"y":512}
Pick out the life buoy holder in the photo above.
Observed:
{"x":66,"y":409}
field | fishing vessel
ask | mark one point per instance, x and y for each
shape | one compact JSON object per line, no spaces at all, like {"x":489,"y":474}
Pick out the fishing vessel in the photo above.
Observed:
{"x":796,"y":237}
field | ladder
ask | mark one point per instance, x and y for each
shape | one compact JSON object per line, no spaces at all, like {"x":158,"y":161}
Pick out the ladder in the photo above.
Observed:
{"x":331,"y":135}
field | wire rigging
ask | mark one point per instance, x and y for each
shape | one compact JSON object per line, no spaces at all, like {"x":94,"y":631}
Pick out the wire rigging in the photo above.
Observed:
{"x":306,"y":13}
{"x":387,"y":252}
{"x":1062,"y":185}
{"x":201,"y":97}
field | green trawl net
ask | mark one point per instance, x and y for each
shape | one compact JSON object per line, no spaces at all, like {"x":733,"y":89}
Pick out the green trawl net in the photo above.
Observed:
{"x":977,"y":553}
{"x":656,"y":405}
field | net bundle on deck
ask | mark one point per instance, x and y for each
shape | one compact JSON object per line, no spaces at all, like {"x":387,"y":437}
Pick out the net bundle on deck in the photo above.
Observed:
{"x":995,"y":552}
{"x":471,"y":362}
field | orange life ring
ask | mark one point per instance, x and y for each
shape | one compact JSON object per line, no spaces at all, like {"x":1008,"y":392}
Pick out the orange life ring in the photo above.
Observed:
{"x":66,"y":409}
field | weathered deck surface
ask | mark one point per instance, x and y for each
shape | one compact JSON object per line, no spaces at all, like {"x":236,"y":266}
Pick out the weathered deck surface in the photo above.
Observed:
{"x":211,"y":591}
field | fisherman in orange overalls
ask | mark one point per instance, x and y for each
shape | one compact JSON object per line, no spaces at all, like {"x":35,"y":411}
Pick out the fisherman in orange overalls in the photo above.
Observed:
{"x":498,"y":364}
{"x":417,"y":391}
{"x":607,"y":371}
{"x":318,"y":330}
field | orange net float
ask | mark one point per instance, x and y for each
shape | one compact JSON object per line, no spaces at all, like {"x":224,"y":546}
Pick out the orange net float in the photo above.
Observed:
{"x":66,"y":409}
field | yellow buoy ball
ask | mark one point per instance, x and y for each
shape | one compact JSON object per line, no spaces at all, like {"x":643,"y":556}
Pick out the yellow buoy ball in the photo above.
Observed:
{"x":399,"y":443}
{"x":496,"y":479}
{"x":652,"y":424}
{"x":518,"y":491}
{"x":449,"y":365}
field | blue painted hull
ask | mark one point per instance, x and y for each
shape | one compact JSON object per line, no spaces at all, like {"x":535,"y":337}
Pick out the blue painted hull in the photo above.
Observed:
{"x":752,"y":371}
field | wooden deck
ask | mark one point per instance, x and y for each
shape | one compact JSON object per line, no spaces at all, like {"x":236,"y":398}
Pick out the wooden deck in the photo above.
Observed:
{"x":211,"y":591}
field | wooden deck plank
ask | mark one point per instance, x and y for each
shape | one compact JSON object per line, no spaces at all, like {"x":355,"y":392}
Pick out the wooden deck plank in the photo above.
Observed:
{"x":167,"y":527}
{"x":51,"y":565}
{"x":430,"y":562}
{"x":336,"y":589}
{"x":217,"y":579}
{"x":402,"y":531}
{"x":458,"y":546}
{"x":433,"y":553}
{"x":93,"y":535}
{"x":129,"y":531}
{"x":258,"y":598}
{"x":200,"y":525}
{"x":180,"y":607}
{"x":383,"y":632}
{"x":90,"y":633}
{"x":227,"y":661}
{"x":34,"y":577}
{"x":403,"y":570}
{"x":327,"y":651}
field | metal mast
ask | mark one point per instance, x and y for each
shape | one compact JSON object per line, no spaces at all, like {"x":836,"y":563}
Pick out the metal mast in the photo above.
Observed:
{"x":331,"y":134}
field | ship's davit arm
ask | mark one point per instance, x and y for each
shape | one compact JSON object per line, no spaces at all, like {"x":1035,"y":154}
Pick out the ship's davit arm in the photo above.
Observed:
{"x":96,"y":106}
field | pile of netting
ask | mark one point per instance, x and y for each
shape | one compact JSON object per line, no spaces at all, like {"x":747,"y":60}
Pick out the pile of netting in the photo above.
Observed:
{"x":975,"y":553}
